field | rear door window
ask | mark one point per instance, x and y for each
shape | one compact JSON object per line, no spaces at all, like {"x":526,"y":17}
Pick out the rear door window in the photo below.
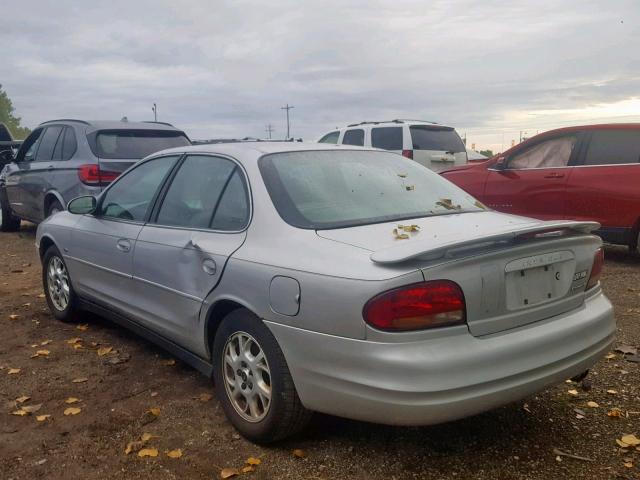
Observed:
{"x":388,"y":138}
{"x":354,"y":137}
{"x":48,"y":144}
{"x":135,"y":144}
{"x":613,"y":147}
{"x":442,"y":139}
{"x":330,"y":137}
{"x":548,"y":154}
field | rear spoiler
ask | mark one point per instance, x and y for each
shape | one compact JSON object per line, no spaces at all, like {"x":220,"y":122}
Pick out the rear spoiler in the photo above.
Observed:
{"x":412,"y":248}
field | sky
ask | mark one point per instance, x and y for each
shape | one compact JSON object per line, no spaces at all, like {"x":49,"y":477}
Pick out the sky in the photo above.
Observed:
{"x":495,"y":70}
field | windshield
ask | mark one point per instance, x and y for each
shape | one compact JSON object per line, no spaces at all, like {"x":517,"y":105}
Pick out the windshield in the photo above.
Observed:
{"x":333,"y":189}
{"x":129,"y":144}
{"x":436,"y":138}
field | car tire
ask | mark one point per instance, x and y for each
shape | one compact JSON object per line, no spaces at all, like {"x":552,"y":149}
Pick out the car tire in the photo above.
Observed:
{"x":256,"y":419}
{"x":58,"y":290}
{"x":8,"y":221}
{"x":53,"y":208}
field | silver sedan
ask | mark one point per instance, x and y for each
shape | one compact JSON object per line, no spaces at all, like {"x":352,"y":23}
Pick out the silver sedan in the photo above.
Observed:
{"x":342,"y":280}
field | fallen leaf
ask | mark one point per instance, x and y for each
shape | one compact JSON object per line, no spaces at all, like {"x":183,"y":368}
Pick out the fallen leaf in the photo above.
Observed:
{"x":22,"y":399}
{"x":229,"y":472}
{"x":83,"y":327}
{"x":253,"y":461}
{"x":148,"y":452}
{"x":73,"y":341}
{"x":628,"y":464}
{"x":79,"y":380}
{"x":42,"y":418}
{"x":147,"y":436}
{"x":154,"y":411}
{"x":203,"y":397}
{"x":41,"y":295}
{"x":77,"y":346}
{"x":409,"y":228}
{"x":20,"y":413}
{"x":298,"y":453}
{"x":168,"y":363}
{"x":526,"y":408}
{"x":13,"y":316}
{"x":614,"y":413}
{"x":43,"y":353}
{"x":72,"y":411}
{"x":71,"y":400}
{"x":133,"y":447}
{"x":177,"y":453}
{"x":612,"y":392}
{"x":592,"y":404}
{"x":624,"y":349}
{"x":573,"y":392}
{"x":13,"y":371}
{"x":400,"y":236}
{"x":610,"y":356}
{"x":32,"y":408}
{"x":621,"y":444}
{"x":45,"y":342}
{"x":102,"y":351}
{"x":248,"y":469}
{"x":631,"y":440}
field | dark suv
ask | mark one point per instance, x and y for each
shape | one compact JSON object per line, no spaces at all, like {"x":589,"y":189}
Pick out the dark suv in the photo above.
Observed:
{"x":63,"y":159}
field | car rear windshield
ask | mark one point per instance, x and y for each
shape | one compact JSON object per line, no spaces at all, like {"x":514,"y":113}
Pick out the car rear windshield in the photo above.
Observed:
{"x":335,"y":189}
{"x":443,"y":139}
{"x":136,"y":143}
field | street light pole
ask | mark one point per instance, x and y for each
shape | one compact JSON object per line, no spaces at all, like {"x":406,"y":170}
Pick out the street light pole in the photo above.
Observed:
{"x":287,"y":107}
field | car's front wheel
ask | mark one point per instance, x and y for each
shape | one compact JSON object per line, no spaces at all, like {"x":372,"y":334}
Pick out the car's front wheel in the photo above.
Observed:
{"x":8,"y":221}
{"x":253,"y":381}
{"x":57,"y":286}
{"x":54,"y":208}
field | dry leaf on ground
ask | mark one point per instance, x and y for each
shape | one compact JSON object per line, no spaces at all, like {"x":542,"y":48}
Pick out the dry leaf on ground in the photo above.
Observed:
{"x":229,"y":472}
{"x":42,"y":418}
{"x":248,"y":469}
{"x":203,"y":397}
{"x":20,"y":413}
{"x":13,"y":371}
{"x":592,"y":404}
{"x":631,"y":440}
{"x":573,"y":392}
{"x":253,"y":461}
{"x":13,"y":316}
{"x":83,"y":327}
{"x":148,"y":452}
{"x":45,"y":342}
{"x":102,"y":351}
{"x":168,"y":363}
{"x":71,"y":400}
{"x":611,"y":391}
{"x":32,"y":408}
{"x":72,"y":411}
{"x":22,"y":399}
{"x":155,"y":411}
{"x":614,"y":413}
{"x":177,"y":453}
{"x":298,"y":453}
{"x":79,"y":380}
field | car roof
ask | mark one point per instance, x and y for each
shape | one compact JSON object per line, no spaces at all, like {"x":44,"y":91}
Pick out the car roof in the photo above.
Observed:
{"x":93,"y":125}
{"x":397,"y":121}
{"x":258,"y":149}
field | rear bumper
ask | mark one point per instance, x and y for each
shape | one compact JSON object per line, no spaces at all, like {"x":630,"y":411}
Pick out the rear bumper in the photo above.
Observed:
{"x":443,"y":379}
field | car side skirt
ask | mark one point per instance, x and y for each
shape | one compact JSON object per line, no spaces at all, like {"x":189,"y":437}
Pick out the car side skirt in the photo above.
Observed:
{"x":177,"y":351}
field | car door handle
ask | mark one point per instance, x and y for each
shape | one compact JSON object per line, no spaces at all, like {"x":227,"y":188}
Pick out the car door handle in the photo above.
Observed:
{"x":554,"y":175}
{"x":123,"y":245}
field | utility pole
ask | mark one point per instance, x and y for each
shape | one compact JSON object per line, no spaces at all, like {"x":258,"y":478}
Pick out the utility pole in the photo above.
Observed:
{"x":287,"y":107}
{"x":155,"y":112}
{"x":269,"y":130}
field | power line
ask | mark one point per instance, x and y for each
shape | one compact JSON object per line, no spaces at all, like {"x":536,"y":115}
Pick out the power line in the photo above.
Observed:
{"x":287,"y":107}
{"x":269,"y":130}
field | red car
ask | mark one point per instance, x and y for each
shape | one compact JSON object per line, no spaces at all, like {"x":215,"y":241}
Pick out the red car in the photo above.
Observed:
{"x":583,"y":173}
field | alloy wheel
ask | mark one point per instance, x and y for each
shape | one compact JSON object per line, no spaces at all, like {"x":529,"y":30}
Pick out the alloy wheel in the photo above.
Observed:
{"x":247,"y":376}
{"x":58,"y":283}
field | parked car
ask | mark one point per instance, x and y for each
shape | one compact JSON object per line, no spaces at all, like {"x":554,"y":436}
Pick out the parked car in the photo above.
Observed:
{"x":350,"y":281}
{"x":8,"y":145}
{"x":435,"y":146}
{"x":583,"y":173}
{"x":63,"y":159}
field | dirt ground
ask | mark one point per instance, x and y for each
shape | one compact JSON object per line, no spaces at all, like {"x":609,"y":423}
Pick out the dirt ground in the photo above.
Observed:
{"x":120,"y":387}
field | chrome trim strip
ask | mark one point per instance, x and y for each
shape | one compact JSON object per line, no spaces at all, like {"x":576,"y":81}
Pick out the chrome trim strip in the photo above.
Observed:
{"x":168,"y":289}
{"x":99,"y":267}
{"x":567,"y":166}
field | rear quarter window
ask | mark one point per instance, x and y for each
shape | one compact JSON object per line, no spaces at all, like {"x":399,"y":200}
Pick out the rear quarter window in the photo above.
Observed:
{"x":388,"y":138}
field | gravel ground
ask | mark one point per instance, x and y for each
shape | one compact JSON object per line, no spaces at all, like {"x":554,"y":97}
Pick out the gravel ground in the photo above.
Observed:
{"x":513,"y":442}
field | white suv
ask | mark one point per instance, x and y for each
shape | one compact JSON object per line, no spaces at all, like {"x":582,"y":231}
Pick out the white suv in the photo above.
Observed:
{"x":435,"y":146}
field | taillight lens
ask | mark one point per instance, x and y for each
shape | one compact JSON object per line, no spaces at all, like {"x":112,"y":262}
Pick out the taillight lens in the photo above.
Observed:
{"x":436,"y":303}
{"x":91,"y":174}
{"x":407,"y":153}
{"x":596,"y":269}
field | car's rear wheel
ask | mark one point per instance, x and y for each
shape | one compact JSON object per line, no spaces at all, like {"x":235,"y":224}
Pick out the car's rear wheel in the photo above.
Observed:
{"x":8,"y":221}
{"x":57,"y":286}
{"x":54,"y":208}
{"x":253,"y":381}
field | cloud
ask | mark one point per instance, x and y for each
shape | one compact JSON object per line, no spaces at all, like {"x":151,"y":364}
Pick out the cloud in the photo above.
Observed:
{"x":223,"y":69}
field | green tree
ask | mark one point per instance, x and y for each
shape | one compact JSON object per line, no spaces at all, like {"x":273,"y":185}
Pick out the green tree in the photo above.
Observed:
{"x":7,"y":117}
{"x":486,"y":153}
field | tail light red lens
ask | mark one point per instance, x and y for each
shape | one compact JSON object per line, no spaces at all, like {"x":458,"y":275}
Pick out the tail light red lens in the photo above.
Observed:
{"x":432,"y":304}
{"x":596,"y":269}
{"x":91,"y":174}
{"x":407,"y":153}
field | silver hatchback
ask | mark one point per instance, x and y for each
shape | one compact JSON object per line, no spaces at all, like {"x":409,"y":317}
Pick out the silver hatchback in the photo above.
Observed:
{"x":309,"y":277}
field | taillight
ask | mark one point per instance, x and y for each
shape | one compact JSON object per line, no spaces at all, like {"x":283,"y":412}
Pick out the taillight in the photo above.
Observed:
{"x":596,"y":269}
{"x":407,"y":153}
{"x":91,"y":174}
{"x":436,"y":303}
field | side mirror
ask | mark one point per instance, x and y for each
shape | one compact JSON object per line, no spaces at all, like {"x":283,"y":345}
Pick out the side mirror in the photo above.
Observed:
{"x":499,"y":165}
{"x":82,"y":205}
